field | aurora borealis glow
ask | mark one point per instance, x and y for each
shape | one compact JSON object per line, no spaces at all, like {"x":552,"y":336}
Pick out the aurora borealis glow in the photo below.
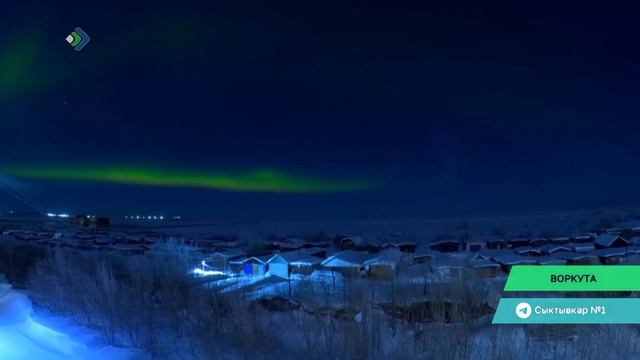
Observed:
{"x":305,"y":111}
{"x":256,"y":180}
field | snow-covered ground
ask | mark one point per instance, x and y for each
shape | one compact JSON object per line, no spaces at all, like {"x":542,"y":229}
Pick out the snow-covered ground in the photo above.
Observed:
{"x":26,"y":334}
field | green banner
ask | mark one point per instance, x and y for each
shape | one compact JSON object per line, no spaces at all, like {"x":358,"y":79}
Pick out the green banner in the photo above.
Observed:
{"x":567,"y":311}
{"x":574,"y":278}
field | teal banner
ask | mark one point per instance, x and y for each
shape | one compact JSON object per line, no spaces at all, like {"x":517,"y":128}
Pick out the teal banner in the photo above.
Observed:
{"x":567,"y":311}
{"x":573,"y":278}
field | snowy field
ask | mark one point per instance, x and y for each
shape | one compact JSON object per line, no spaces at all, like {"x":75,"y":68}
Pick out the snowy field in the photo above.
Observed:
{"x":27,"y":333}
{"x":420,"y":230}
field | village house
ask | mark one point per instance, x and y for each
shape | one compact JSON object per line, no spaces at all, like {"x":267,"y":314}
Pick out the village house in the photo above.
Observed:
{"x":614,"y":231}
{"x":573,"y":258}
{"x":582,"y":247}
{"x":219,"y":260}
{"x":351,"y":243}
{"x":404,"y":246}
{"x":582,"y":238}
{"x":560,"y":240}
{"x":610,"y":256}
{"x":302,"y":261}
{"x":385,"y":264}
{"x":348,"y":263}
{"x":254,"y":265}
{"x":519,"y":242}
{"x":632,"y":250}
{"x":484,"y":268}
{"x":423,"y":254}
{"x":305,"y":266}
{"x":287,"y":244}
{"x":489,"y":253}
{"x":475,"y":245}
{"x":552,"y":248}
{"x":448,"y":267}
{"x":508,"y":260}
{"x":634,"y":240}
{"x":496,"y":244}
{"x":539,"y":241}
{"x":279,"y":265}
{"x":415,"y":272}
{"x":607,"y":240}
{"x":446,"y":245}
{"x":221,"y":244}
{"x":548,"y":260}
{"x":529,"y":251}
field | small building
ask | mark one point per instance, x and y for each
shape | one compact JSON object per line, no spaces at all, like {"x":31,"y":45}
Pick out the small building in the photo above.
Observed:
{"x":415,"y":272}
{"x":385,"y":265}
{"x":475,"y":245}
{"x":80,"y":219}
{"x":403,"y":246}
{"x":315,"y":251}
{"x":446,"y":245}
{"x":519,"y":242}
{"x":351,"y":243}
{"x":573,"y":258}
{"x":539,"y":241}
{"x":529,"y":251}
{"x":448,"y":267}
{"x":507,"y":260}
{"x":560,"y":240}
{"x":633,"y":250}
{"x":223,"y":244}
{"x":548,"y":260}
{"x":290,"y":244}
{"x":423,"y":255}
{"x":301,"y":261}
{"x":606,"y":240}
{"x":496,"y":244}
{"x":582,"y":247}
{"x":634,"y":240}
{"x":552,"y":248}
{"x":489,"y":254}
{"x":90,"y":221}
{"x":610,"y":256}
{"x":254,"y":266}
{"x":220,"y":259}
{"x":582,"y":238}
{"x":98,"y":222}
{"x":237,"y":266}
{"x":305,"y":266}
{"x":348,"y":263}
{"x":484,"y":268}
{"x":614,"y":230}
{"x":279,"y":265}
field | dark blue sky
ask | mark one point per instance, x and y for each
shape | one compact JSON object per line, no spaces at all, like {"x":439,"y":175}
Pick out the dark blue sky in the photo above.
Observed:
{"x":453,"y":107}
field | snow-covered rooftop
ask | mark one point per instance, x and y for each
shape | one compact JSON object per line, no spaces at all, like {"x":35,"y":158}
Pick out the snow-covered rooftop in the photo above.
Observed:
{"x":348,"y":258}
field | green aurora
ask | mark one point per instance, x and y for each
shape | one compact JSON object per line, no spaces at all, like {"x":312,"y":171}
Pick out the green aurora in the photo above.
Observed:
{"x":256,"y":180}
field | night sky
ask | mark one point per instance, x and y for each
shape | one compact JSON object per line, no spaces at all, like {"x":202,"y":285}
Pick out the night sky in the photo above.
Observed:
{"x":320,"y":110}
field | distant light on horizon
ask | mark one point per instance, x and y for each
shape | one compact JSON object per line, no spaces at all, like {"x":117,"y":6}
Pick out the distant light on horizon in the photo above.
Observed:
{"x":144,"y":217}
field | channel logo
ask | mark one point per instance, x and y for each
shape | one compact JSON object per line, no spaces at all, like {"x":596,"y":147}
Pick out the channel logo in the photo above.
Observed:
{"x":523,"y":310}
{"x":78,"y":39}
